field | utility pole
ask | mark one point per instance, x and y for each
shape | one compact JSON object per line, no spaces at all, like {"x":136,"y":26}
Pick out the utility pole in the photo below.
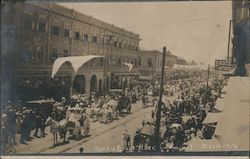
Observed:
{"x":158,"y":113}
{"x":229,"y":39}
{"x":208,"y":72}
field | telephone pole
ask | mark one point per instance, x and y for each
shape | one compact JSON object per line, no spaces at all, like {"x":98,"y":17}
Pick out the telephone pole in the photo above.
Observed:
{"x":229,"y":39}
{"x":208,"y":72}
{"x":158,"y":113}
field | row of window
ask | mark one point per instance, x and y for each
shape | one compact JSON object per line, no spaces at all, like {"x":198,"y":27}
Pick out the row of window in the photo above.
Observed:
{"x":42,"y":27}
{"x":36,"y":55}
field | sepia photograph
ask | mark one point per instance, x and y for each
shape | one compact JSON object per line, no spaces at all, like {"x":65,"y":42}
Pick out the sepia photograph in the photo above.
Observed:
{"x":125,"y":78}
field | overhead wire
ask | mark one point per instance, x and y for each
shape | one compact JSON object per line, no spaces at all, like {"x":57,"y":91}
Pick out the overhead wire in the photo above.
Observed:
{"x":179,"y":22}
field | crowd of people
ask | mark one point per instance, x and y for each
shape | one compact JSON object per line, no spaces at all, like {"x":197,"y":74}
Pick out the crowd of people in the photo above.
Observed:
{"x":181,"y":118}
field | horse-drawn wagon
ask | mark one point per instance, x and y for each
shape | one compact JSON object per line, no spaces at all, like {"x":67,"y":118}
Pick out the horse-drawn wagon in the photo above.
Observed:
{"x":109,"y":111}
{"x":123,"y":101}
{"x":78,"y":123}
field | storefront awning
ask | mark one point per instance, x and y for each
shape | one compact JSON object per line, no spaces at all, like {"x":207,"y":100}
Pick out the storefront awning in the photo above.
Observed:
{"x":76,"y":62}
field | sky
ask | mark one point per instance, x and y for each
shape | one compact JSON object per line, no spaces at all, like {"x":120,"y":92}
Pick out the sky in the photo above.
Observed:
{"x":193,"y":30}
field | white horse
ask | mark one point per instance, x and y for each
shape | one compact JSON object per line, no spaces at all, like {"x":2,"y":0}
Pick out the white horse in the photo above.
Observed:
{"x":57,"y":127}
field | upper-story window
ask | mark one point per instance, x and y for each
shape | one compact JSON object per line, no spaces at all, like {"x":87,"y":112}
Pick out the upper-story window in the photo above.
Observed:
{"x":120,"y":45}
{"x":77,"y":35}
{"x":54,"y":55}
{"x":26,"y":55}
{"x":85,"y":37}
{"x":132,"y":47}
{"x":101,"y":62}
{"x":150,"y":64}
{"x":41,"y":27}
{"x":102,"y":40}
{"x":115,"y":43}
{"x":66,"y":53}
{"x":39,"y":55}
{"x":27,"y":22}
{"x":66,"y":33}
{"x":55,"y":30}
{"x":108,"y":40}
{"x":95,"y":39}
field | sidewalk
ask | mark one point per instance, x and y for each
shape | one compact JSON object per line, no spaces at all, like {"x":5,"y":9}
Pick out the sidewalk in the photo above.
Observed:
{"x":232,"y":131}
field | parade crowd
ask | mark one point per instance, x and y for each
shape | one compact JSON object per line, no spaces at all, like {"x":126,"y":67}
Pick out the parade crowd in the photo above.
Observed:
{"x":180,"y":119}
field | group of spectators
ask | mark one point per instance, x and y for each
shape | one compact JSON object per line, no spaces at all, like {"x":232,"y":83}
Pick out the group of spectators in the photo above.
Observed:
{"x":23,"y":121}
{"x":182,"y":119}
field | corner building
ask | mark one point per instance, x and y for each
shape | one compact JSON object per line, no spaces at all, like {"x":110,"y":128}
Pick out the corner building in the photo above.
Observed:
{"x":38,"y":33}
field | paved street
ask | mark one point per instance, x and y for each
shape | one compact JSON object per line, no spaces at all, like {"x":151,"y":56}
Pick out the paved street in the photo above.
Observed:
{"x":102,"y":137}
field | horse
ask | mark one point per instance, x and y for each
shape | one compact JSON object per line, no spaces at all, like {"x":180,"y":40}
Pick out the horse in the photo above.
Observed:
{"x":57,"y":127}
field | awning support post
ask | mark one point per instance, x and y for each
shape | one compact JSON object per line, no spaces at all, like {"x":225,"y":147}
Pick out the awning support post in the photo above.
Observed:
{"x":72,"y":84}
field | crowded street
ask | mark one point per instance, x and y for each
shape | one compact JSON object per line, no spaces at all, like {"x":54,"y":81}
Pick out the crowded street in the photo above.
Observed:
{"x":185,"y":107}
{"x":141,"y":78}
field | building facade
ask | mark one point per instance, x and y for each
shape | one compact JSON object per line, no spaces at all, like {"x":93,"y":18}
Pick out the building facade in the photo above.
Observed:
{"x":241,"y":39}
{"x":151,"y":62}
{"x":42,"y":32}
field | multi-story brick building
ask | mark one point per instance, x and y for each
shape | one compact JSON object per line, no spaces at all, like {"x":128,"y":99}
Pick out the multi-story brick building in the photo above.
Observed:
{"x":41,"y":32}
{"x":151,"y":61}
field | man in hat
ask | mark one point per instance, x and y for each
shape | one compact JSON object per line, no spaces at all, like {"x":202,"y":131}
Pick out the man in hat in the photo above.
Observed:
{"x":125,"y":141}
{"x":11,"y":125}
{"x":137,"y":140}
{"x":24,"y":127}
{"x":38,"y":124}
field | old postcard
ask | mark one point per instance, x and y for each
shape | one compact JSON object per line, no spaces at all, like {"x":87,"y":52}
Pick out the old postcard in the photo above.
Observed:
{"x":127,"y":78}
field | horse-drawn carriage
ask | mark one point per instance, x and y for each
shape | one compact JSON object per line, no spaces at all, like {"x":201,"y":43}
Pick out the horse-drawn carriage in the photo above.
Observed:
{"x":78,"y":123}
{"x":124,"y":102}
{"x":148,"y":101}
{"x":108,"y":112}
